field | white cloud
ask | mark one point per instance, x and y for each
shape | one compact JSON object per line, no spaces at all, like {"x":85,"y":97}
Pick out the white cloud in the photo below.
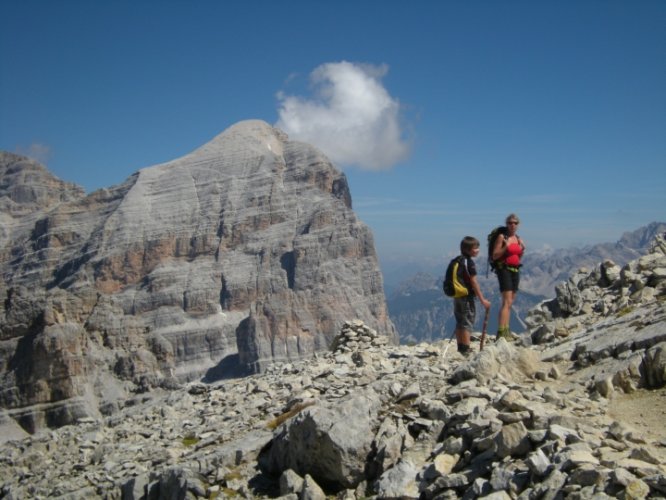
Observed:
{"x":351,"y":117}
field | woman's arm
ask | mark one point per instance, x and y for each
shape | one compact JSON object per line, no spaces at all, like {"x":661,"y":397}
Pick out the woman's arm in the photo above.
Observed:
{"x":500,"y":247}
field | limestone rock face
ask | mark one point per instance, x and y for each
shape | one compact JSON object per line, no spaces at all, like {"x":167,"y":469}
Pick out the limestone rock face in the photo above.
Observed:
{"x":26,"y":186}
{"x":244,"y":252}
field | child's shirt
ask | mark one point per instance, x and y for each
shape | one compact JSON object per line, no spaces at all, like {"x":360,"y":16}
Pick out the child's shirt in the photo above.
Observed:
{"x":466,"y":271}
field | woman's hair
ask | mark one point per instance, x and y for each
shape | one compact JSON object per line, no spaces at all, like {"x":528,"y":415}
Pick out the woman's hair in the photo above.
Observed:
{"x":467,"y":244}
{"x":511,"y":217}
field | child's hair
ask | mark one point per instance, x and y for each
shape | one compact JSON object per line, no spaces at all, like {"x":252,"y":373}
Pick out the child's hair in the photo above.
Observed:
{"x":468,"y":244}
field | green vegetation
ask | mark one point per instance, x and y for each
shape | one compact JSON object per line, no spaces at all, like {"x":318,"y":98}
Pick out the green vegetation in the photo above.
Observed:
{"x":231,"y":475}
{"x":190,"y":440}
{"x":228,"y":492}
{"x":624,"y":311}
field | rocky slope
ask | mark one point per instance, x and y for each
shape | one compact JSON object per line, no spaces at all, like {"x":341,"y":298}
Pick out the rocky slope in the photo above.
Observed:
{"x":242,"y":253}
{"x":526,"y":420}
{"x":421,"y":313}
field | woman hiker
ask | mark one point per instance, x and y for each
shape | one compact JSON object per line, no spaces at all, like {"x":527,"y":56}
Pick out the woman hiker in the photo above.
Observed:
{"x":507,"y":252}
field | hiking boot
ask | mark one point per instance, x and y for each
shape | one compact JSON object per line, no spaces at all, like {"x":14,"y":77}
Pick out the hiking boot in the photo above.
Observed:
{"x":505,"y":333}
{"x":464,"y":349}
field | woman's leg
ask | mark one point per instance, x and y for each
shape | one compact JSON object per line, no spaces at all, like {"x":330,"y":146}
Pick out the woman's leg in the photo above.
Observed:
{"x":508,"y":297}
{"x":506,"y":291}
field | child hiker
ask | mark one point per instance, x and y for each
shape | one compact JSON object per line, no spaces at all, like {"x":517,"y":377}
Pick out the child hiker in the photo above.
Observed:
{"x":464,"y":308}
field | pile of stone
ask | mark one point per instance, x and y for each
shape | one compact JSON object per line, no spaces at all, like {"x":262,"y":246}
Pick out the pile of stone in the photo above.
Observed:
{"x":355,"y":336}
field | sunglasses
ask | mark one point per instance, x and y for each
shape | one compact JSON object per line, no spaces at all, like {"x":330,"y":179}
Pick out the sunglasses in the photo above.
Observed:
{"x":512,"y":222}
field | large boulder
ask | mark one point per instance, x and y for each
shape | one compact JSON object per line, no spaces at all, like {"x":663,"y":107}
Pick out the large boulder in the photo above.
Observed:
{"x":331,"y":443}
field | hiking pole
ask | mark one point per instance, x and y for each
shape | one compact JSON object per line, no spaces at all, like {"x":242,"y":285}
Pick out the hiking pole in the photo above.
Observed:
{"x":522,"y":323}
{"x":483,"y":330}
{"x":447,"y":345}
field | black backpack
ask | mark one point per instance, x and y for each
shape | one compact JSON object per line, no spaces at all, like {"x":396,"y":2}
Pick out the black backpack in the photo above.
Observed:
{"x":492,"y":238}
{"x":452,"y":285}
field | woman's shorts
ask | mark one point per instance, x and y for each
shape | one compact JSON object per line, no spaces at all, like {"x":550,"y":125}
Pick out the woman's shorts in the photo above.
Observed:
{"x":464,"y":310}
{"x":508,"y":280}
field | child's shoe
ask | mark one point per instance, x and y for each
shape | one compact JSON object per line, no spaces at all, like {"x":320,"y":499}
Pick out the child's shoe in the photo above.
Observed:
{"x":464,"y":349}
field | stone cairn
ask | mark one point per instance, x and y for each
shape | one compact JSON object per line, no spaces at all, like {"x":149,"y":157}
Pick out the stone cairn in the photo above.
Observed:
{"x":356,"y":336}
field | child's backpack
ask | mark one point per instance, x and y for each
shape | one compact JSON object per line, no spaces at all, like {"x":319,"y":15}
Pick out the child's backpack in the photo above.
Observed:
{"x":452,"y":286}
{"x":492,"y":238}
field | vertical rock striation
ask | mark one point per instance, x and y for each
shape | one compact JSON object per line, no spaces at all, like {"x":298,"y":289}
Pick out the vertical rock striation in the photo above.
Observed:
{"x":241,"y":253}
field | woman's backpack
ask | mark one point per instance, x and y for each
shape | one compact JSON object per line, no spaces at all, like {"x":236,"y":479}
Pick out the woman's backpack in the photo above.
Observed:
{"x":492,"y":238}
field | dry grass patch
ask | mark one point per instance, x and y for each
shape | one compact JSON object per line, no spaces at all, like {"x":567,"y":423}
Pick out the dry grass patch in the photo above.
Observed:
{"x":275,"y":423}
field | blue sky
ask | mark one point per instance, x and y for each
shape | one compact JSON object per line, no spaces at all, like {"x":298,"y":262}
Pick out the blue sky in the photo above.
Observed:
{"x":446,"y":116}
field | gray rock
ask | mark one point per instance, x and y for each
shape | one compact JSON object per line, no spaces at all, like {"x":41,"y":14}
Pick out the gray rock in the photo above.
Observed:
{"x":239,"y":254}
{"x":501,"y":476}
{"x":513,"y":440}
{"x":178,"y":482}
{"x":329,"y":443}
{"x":389,"y":441}
{"x":290,"y":482}
{"x":10,"y":430}
{"x":636,"y":489}
{"x":589,"y":475}
{"x":538,"y":463}
{"x":550,"y":488}
{"x":497,"y":495}
{"x":398,"y":482}
{"x":135,"y":488}
{"x":657,"y":482}
{"x":654,"y":366}
{"x":311,"y":490}
{"x":622,"y":477}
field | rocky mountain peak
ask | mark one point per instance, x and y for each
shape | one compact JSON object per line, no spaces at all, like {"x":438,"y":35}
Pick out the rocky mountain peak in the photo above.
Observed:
{"x":26,"y":186}
{"x":248,"y":135}
{"x":239,"y":254}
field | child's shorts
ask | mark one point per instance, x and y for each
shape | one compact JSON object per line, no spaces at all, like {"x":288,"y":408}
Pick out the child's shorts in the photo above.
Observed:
{"x":464,"y":310}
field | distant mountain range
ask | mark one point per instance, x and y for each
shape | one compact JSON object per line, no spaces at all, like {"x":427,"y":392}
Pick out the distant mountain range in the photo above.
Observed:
{"x":421,"y":312}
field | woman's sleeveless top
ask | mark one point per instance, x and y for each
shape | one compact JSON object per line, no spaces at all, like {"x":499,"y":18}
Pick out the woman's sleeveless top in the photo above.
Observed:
{"x":513,"y":254}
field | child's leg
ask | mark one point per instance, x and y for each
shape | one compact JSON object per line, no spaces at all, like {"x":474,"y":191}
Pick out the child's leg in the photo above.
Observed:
{"x":463,"y":338}
{"x":465,"y":323}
